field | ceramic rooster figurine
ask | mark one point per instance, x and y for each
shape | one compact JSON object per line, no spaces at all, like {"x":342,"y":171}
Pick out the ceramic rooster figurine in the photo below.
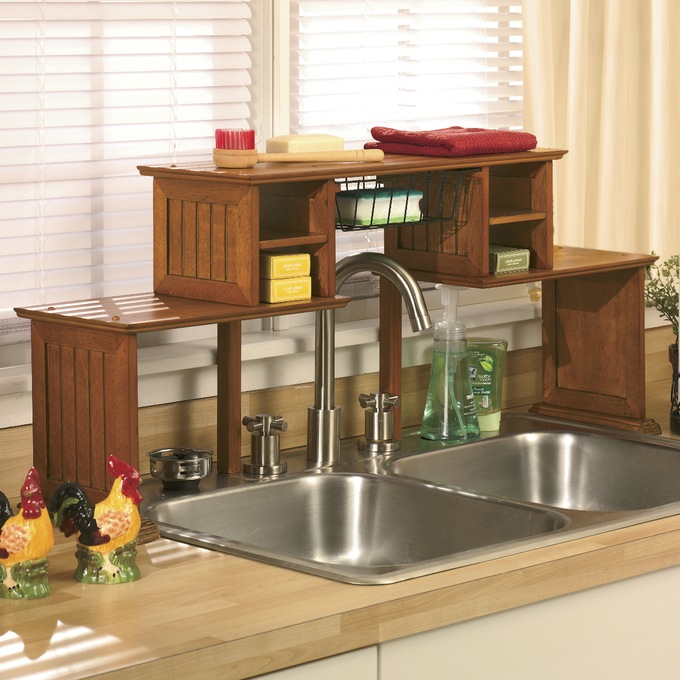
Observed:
{"x":107,"y":532}
{"x":25,"y":541}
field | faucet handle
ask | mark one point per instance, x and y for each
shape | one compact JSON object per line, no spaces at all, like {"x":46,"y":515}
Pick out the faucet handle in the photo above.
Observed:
{"x":265,"y":450}
{"x":379,"y":422}
{"x":264,"y":423}
{"x":380,"y":401}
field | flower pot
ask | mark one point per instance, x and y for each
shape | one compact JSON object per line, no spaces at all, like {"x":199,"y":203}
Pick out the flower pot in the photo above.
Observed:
{"x":675,"y":401}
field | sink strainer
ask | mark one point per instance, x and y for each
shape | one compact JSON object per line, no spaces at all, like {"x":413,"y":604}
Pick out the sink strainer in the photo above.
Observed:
{"x":181,"y":468}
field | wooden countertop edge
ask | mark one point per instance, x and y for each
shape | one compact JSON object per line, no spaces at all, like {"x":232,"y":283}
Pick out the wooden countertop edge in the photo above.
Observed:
{"x":433,"y":602}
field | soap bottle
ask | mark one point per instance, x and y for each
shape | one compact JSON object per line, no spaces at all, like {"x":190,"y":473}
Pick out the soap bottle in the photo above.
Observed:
{"x":450,"y":412}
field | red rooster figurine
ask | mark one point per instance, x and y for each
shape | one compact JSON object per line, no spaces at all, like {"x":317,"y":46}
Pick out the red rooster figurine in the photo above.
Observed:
{"x":25,"y":541}
{"x":107,"y":531}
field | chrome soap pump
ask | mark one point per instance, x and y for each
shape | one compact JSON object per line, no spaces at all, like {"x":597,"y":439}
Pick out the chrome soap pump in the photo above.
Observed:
{"x":450,"y":412}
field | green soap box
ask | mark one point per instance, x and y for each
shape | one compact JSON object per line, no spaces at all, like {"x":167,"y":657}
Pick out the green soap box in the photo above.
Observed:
{"x":505,"y":259}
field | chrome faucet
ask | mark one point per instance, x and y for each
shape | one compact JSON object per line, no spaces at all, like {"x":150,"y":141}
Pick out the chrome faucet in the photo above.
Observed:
{"x":323,"y":418}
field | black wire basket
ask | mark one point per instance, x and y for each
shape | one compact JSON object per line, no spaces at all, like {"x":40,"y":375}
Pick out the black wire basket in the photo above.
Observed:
{"x":373,"y":202}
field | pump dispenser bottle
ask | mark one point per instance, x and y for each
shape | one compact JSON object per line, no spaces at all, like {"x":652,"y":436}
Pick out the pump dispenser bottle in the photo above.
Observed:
{"x":450,"y":412}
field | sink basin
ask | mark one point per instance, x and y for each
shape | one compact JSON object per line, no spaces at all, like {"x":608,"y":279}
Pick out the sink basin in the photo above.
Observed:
{"x":353,"y":527}
{"x":430,"y":507}
{"x":568,"y":470}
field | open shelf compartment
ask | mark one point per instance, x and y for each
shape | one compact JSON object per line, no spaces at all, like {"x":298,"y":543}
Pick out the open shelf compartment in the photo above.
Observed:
{"x":506,"y":205}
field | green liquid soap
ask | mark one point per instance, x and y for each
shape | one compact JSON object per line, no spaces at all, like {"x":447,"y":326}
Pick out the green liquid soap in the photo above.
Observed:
{"x":450,"y":411}
{"x":486,"y":357}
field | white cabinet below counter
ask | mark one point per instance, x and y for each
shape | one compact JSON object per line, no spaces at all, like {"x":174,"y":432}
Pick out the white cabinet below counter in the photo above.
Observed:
{"x":626,"y":630}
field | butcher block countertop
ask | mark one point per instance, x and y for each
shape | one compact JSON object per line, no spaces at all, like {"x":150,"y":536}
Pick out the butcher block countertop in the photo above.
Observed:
{"x":202,"y":614}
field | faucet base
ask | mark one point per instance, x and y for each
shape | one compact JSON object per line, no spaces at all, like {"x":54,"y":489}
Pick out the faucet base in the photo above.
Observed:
{"x":323,"y":436}
{"x":378,"y":447}
{"x":265,"y":470}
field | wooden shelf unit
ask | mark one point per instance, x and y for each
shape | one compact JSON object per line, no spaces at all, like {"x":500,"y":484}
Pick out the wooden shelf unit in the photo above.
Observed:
{"x":210,"y":225}
{"x":593,"y":334}
{"x":208,"y":235}
{"x":84,"y":366}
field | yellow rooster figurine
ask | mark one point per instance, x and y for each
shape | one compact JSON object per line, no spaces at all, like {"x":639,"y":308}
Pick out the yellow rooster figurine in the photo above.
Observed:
{"x":107,"y":532}
{"x":25,"y":541}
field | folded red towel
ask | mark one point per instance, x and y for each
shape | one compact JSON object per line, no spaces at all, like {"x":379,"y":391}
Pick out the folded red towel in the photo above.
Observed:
{"x":452,"y":141}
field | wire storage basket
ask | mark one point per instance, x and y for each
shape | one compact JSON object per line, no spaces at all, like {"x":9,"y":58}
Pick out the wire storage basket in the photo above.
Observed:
{"x":373,"y":202}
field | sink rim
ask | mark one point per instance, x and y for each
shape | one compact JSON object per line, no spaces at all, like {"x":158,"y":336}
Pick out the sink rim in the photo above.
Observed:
{"x":353,"y":574}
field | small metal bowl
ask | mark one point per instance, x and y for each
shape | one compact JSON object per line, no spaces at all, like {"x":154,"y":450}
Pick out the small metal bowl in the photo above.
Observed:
{"x":181,"y":468}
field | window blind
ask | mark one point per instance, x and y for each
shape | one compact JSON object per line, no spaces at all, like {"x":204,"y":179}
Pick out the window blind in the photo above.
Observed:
{"x":404,"y":64}
{"x":410,"y":65}
{"x":93,"y":89}
{"x":90,"y":91}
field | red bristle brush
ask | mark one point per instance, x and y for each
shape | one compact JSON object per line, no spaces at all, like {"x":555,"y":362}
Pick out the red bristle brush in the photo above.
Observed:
{"x":236,"y":149}
{"x":235,"y":139}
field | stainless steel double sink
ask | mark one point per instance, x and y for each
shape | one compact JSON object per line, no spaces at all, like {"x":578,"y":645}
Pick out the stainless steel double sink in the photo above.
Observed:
{"x":431,"y":507}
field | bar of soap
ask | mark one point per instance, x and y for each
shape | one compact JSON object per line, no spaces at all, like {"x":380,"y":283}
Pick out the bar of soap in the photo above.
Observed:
{"x":505,"y":259}
{"x":286,"y":290}
{"x":302,"y":143}
{"x":284,"y":265}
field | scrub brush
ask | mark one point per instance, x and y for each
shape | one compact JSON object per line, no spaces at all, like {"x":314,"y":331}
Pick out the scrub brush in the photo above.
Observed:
{"x":236,"y":149}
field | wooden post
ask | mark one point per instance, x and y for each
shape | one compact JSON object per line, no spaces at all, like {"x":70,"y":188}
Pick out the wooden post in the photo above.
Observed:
{"x":229,"y":396}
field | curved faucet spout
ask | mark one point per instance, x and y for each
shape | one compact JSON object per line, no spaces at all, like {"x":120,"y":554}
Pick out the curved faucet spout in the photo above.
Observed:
{"x":377,"y":263}
{"x":323,"y":422}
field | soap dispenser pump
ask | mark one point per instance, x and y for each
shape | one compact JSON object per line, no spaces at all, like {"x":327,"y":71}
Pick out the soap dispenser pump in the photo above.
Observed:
{"x":450,"y":412}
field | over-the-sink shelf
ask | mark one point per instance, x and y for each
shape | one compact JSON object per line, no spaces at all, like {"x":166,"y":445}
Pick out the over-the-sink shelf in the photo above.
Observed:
{"x":210,"y":225}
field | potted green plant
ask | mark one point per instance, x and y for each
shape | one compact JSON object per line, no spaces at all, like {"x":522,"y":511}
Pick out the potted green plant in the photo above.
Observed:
{"x":661,"y":292}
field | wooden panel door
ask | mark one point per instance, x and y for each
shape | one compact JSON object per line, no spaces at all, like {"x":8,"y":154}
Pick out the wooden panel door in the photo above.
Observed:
{"x":206,"y":241}
{"x":593,"y":349}
{"x":84,"y":404}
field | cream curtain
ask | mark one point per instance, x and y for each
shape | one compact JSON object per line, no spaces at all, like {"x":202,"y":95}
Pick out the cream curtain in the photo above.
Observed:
{"x":602,"y":80}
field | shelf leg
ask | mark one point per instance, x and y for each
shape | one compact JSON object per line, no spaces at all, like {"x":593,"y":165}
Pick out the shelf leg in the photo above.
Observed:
{"x":593,"y":350}
{"x":229,"y":397}
{"x":84,"y":404}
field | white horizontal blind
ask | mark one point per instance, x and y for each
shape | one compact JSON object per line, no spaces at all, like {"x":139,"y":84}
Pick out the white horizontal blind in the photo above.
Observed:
{"x":91,"y":89}
{"x":409,"y":64}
